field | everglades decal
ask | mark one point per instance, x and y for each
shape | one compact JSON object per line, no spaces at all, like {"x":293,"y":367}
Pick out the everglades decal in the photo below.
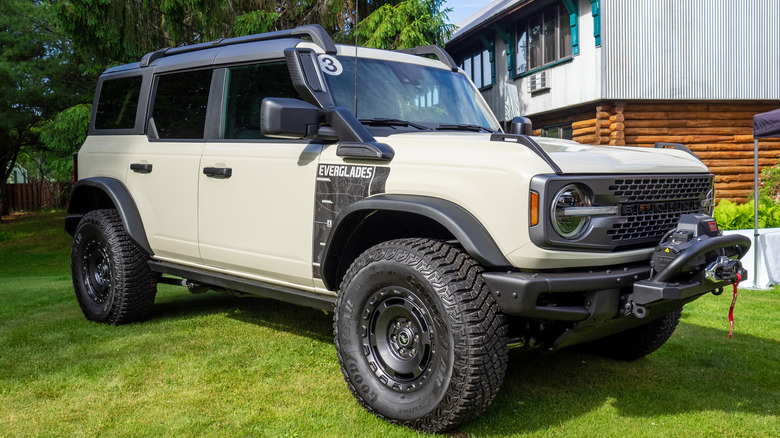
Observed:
{"x":337,"y":186}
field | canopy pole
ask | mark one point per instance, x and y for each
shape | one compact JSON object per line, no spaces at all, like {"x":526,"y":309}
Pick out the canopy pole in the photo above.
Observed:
{"x":756,"y":196}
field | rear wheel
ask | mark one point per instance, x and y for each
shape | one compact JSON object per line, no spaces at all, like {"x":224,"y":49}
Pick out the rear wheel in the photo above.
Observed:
{"x":419,"y":339}
{"x":638,"y":342}
{"x":111,"y":277}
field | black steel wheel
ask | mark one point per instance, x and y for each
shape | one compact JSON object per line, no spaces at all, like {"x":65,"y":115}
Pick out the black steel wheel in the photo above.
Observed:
{"x":419,"y":339}
{"x":111,"y":277}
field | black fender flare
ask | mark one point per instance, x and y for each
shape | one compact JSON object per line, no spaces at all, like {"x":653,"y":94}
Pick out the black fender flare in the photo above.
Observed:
{"x":466,"y":228}
{"x":83,"y":200}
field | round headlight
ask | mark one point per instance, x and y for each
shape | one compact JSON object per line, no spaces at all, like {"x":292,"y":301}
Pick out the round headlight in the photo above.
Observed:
{"x":565,"y":219}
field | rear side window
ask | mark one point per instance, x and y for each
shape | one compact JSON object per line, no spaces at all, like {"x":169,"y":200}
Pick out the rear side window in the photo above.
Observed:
{"x":247,"y":86}
{"x":180,"y":104}
{"x":118,"y":103}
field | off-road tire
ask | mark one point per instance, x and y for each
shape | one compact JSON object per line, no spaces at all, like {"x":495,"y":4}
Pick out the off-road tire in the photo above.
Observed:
{"x":419,"y":339}
{"x":111,"y":277}
{"x":638,"y":342}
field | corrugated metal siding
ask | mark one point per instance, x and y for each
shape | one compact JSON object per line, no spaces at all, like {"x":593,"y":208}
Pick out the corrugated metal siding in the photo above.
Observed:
{"x":691,"y":49}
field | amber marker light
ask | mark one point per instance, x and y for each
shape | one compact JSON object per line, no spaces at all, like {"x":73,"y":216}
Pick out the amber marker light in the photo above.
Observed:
{"x":534,"y":209}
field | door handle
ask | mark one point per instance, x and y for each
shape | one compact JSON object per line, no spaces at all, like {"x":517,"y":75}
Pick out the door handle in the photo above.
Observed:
{"x":141,"y":167}
{"x":218,"y":172}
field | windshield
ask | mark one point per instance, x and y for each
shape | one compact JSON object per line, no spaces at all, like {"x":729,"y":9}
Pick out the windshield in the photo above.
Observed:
{"x":428,"y":96}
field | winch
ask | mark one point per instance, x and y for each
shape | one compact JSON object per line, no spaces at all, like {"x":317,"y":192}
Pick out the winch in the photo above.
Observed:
{"x":692,"y":232}
{"x":692,"y":259}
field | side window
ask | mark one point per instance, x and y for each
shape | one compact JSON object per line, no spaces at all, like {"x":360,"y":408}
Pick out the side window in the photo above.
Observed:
{"x":180,"y":104}
{"x":118,"y":103}
{"x":247,"y":86}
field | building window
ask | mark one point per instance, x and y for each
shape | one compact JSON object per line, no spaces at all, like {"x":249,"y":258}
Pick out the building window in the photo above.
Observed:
{"x":479,"y":67}
{"x":562,"y":130}
{"x":543,"y":39}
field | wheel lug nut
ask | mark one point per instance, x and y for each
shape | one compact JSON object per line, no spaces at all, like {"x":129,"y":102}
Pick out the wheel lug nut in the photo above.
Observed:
{"x":403,"y":351}
{"x":409,"y":324}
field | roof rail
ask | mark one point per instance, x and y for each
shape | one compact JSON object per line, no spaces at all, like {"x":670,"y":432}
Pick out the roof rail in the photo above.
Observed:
{"x":314,"y":31}
{"x":435,"y":51}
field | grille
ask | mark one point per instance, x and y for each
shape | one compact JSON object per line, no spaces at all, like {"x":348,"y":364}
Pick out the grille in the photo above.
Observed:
{"x":660,"y":189}
{"x":649,"y":207}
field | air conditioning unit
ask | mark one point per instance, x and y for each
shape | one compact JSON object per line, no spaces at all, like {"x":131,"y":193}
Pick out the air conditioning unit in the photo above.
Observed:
{"x":539,"y":81}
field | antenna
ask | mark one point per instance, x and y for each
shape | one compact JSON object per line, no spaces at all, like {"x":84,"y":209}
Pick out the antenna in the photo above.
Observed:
{"x":357,"y":15}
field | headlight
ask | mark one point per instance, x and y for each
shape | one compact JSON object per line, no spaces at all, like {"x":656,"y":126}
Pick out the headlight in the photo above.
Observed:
{"x":568,"y":207}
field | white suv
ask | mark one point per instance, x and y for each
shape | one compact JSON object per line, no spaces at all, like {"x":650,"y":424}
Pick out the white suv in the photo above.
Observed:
{"x":379,"y":185}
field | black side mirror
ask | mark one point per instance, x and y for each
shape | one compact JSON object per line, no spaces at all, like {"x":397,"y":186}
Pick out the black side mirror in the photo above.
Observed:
{"x":289,"y":118}
{"x":521,"y":125}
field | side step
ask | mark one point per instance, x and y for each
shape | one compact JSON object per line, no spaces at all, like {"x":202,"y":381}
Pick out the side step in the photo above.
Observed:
{"x":257,"y":288}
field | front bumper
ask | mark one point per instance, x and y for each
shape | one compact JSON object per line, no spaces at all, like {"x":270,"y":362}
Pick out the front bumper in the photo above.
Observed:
{"x":598,"y":302}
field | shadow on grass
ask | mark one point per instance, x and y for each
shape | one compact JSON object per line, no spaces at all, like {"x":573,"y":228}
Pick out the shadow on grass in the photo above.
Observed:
{"x":276,"y":315}
{"x":698,"y":370}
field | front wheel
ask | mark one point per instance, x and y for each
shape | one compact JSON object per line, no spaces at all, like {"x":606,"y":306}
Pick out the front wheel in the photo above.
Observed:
{"x":638,"y":342}
{"x":419,"y":339}
{"x":111,"y":277}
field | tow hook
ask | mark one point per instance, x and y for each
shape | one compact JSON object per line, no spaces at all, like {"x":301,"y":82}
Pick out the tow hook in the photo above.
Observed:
{"x":722,"y":269}
{"x":638,"y":310}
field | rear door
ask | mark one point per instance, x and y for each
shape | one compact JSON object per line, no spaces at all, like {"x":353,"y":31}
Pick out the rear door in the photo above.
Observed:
{"x":256,"y":197}
{"x":164,"y":166}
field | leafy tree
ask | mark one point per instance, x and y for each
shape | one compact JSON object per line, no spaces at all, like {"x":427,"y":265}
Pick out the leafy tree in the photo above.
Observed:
{"x":410,"y":23}
{"x":38,"y":77}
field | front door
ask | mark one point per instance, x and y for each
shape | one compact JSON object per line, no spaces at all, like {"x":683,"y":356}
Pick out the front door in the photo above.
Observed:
{"x":256,"y":195}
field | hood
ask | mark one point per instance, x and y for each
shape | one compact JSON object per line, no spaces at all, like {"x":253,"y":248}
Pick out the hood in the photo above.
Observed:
{"x":570,"y":156}
{"x":573,"y":157}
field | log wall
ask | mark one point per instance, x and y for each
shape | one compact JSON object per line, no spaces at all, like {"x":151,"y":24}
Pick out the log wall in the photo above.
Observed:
{"x":719,"y":133}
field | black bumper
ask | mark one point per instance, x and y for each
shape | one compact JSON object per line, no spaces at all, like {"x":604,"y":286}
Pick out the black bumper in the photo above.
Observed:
{"x":600,"y":295}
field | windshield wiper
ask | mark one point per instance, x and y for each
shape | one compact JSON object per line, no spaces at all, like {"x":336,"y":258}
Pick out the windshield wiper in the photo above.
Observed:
{"x":392,"y":122}
{"x":464,"y":127}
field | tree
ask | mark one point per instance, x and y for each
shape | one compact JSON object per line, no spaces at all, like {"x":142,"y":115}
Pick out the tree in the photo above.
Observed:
{"x":410,"y":23}
{"x":115,"y":32}
{"x":38,"y":77}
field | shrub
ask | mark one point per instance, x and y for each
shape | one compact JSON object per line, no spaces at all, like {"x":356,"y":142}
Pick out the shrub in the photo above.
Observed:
{"x":731,"y":216}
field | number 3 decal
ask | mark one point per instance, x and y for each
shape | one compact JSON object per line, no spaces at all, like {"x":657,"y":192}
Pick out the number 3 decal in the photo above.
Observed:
{"x":330,"y":65}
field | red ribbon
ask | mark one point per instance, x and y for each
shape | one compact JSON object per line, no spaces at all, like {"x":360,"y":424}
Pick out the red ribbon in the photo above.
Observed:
{"x":733,"y":302}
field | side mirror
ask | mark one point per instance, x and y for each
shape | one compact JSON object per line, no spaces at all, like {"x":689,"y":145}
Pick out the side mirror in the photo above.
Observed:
{"x":289,"y":118}
{"x":521,"y":125}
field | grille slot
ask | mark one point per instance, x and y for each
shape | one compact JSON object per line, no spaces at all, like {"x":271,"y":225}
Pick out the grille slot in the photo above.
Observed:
{"x":649,"y":207}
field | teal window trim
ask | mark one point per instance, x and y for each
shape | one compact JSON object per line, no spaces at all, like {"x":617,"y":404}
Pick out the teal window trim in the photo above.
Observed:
{"x":544,"y":67}
{"x":490,"y":45}
{"x":571,"y":8}
{"x":509,"y":47}
{"x":595,"y":10}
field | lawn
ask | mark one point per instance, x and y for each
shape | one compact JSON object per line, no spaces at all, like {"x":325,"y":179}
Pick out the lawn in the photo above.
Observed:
{"x":216,"y":365}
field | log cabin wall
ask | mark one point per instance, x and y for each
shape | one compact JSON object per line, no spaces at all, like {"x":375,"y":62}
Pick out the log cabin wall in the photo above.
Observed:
{"x":719,"y":133}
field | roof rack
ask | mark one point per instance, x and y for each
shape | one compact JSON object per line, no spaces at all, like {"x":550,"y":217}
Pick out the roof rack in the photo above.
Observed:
{"x":314,"y":31}
{"x":435,"y":51}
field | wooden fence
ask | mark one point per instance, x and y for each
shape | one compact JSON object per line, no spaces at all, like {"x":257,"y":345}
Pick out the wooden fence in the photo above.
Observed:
{"x":37,"y":195}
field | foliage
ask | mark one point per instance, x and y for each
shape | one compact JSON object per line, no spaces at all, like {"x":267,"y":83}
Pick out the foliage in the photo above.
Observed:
{"x":731,"y":216}
{"x":60,"y":138}
{"x":39,"y":75}
{"x":769,"y":183}
{"x":254,"y":22}
{"x":410,"y":23}
{"x":115,"y":32}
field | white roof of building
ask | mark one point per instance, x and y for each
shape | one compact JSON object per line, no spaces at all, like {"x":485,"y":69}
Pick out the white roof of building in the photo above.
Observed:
{"x":492,"y":9}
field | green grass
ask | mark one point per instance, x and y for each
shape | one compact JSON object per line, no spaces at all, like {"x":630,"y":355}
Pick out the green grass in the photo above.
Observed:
{"x":221,"y":366}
